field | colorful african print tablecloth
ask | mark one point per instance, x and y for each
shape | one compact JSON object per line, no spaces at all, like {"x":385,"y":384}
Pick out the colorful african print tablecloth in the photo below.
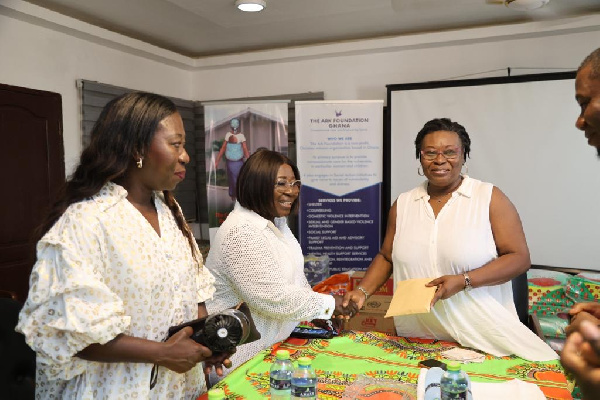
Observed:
{"x":339,"y":361}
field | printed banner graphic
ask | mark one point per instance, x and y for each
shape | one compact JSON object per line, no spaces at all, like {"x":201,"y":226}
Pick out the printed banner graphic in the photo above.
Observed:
{"x":339,"y":151}
{"x":233,"y":131}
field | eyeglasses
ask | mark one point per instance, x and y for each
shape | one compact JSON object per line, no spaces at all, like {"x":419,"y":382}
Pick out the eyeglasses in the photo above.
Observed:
{"x":283,"y":185}
{"x":430,"y":155}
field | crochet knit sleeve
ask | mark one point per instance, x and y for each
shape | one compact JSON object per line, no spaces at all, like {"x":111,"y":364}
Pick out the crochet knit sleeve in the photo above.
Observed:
{"x":258,"y":265}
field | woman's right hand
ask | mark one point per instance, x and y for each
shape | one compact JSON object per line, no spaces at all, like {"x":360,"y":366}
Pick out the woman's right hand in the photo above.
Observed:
{"x":182,"y":353}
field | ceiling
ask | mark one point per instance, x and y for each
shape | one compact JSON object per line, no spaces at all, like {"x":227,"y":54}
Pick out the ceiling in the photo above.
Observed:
{"x":202,"y":28}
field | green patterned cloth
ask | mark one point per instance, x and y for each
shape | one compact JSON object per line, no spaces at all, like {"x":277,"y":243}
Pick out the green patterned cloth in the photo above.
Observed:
{"x":553,"y":293}
{"x":339,"y":361}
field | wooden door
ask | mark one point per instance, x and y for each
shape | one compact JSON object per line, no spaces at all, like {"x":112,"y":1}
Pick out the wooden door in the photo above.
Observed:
{"x":32,"y":169}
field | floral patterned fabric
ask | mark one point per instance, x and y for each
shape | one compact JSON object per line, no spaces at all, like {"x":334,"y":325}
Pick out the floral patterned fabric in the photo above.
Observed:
{"x":338,"y":362}
{"x":553,"y":293}
{"x":102,"y":270}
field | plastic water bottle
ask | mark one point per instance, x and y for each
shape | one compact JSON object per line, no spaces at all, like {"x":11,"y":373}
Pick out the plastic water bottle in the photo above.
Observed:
{"x":454,"y":383}
{"x":216,"y":394}
{"x":304,"y":380}
{"x":281,"y":376}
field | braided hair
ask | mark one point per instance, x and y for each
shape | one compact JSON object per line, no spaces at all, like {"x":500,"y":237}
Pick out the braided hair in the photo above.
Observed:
{"x":443,"y":124}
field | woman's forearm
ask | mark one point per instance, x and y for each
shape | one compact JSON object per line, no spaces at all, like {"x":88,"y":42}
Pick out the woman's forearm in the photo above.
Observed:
{"x":179,"y":353}
{"x":124,"y":348}
{"x":377,"y":274}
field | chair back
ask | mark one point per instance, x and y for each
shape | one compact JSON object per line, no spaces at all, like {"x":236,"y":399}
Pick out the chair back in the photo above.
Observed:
{"x":17,"y":366}
{"x":521,"y":297}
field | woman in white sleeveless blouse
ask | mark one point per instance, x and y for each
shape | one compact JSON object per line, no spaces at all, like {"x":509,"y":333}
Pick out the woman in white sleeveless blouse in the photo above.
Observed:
{"x":468,"y":236}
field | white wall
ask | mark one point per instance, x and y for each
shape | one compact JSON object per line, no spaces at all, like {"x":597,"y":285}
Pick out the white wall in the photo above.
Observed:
{"x":360,"y":70}
{"x":519,"y":131}
{"x":44,"y":50}
{"x":37,"y":57}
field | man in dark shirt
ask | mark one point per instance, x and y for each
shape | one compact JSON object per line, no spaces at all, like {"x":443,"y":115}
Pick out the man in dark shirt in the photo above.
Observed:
{"x":581,"y":354}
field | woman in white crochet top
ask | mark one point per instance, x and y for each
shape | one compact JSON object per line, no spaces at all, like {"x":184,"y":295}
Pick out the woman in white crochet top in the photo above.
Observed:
{"x":255,"y":257}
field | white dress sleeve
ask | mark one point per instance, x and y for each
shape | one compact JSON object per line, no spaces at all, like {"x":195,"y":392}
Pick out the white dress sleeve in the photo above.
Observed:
{"x":258,"y":270}
{"x":69,"y":305}
{"x":205,"y":281}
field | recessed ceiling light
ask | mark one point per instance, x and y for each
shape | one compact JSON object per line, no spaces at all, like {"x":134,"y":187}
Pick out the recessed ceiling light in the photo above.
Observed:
{"x":525,"y":5}
{"x":251,"y":5}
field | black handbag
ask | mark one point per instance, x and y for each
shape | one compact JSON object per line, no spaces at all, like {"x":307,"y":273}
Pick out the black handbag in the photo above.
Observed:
{"x":222,"y":332}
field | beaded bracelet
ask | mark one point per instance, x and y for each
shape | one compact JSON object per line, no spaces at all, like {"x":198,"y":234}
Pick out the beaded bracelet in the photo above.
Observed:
{"x":362,"y":289}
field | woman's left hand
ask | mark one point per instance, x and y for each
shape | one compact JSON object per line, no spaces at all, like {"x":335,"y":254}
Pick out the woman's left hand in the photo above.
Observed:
{"x":447,"y":286}
{"x":217,"y":361}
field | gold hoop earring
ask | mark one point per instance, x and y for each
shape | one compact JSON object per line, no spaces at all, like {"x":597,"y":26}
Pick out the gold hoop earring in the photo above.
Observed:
{"x":139,"y":162}
{"x":420,"y":171}
{"x":464,"y":166}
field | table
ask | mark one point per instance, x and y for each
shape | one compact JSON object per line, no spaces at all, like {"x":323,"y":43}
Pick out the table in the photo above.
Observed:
{"x":340,"y":360}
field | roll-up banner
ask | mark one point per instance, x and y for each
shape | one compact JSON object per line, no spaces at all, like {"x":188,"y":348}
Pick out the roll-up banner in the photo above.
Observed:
{"x":233,"y":131}
{"x":340,"y":158}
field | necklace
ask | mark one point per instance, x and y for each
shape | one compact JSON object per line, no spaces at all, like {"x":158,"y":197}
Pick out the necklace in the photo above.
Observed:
{"x":440,"y":198}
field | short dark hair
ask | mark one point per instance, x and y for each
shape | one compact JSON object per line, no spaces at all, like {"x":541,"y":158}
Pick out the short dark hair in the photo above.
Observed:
{"x":256,"y":182}
{"x":593,"y":60}
{"x":443,"y":124}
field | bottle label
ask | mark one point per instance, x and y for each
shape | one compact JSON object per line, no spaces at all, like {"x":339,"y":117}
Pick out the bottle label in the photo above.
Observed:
{"x":454,"y":396}
{"x":280,"y":384}
{"x":304,"y":391}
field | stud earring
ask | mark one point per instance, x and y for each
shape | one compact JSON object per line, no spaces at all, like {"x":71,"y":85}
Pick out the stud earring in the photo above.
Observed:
{"x":139,"y":162}
{"x":467,"y":169}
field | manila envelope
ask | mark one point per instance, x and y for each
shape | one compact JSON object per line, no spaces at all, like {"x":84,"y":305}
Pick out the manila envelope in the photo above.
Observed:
{"x":411,"y":297}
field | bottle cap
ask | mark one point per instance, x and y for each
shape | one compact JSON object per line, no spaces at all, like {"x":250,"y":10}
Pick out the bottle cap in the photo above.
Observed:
{"x":216,"y":394}
{"x":304,"y":361}
{"x":282,"y":355}
{"x":453,"y":366}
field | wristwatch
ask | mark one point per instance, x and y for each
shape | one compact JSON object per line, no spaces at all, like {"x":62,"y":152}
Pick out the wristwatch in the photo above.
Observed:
{"x":362,"y":289}
{"x":468,"y":285}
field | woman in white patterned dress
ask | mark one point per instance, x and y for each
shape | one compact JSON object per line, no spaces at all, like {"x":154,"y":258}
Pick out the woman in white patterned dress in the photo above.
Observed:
{"x":255,"y":257}
{"x":117,"y":266}
{"x":468,"y":236}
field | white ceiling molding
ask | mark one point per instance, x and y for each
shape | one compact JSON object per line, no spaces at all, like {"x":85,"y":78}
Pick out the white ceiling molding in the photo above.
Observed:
{"x":43,"y":17}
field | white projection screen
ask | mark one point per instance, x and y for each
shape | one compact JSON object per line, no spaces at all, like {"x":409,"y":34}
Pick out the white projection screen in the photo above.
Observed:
{"x":524,"y":141}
